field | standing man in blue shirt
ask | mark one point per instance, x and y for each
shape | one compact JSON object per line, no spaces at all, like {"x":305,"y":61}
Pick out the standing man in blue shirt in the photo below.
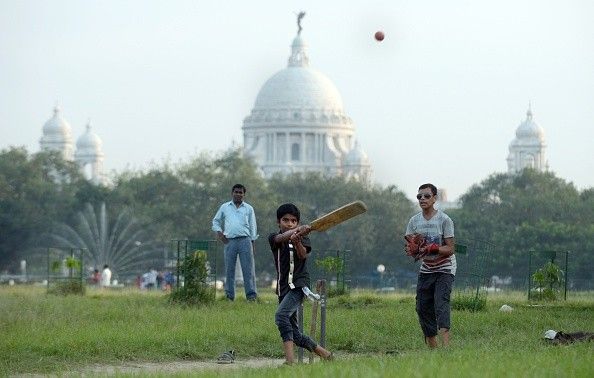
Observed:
{"x":235,"y":225}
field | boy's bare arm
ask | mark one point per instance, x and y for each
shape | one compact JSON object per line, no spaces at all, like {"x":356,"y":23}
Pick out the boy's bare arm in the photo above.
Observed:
{"x":299,"y":247}
{"x":303,"y":230}
{"x":448,"y":249}
{"x":298,"y":231}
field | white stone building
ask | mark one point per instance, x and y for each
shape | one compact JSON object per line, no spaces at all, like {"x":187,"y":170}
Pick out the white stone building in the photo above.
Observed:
{"x":57,"y":136}
{"x":527,"y":150}
{"x":298,"y":124}
{"x":443,"y":203}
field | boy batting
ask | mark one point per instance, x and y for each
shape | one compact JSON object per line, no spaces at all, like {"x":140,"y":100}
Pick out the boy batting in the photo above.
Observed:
{"x":290,"y":248}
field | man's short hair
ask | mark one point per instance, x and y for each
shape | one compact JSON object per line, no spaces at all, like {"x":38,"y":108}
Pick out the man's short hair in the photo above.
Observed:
{"x":287,"y":208}
{"x":430,"y":186}
{"x":238,"y":186}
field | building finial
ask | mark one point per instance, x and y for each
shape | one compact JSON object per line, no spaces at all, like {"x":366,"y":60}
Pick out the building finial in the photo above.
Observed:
{"x":299,"y":18}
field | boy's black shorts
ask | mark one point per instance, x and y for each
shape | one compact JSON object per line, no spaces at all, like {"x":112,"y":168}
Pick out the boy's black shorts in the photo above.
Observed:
{"x":433,"y":301}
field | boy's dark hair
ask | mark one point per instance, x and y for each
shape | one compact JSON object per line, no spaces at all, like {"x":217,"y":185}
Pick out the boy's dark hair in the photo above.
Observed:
{"x":238,"y":186}
{"x":287,"y":208}
{"x":431,"y":186}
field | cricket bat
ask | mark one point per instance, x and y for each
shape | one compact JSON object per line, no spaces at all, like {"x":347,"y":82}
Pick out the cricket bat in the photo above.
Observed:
{"x":338,"y":216}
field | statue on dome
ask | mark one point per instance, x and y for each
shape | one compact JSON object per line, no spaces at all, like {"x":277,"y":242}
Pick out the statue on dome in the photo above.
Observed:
{"x":299,"y":17}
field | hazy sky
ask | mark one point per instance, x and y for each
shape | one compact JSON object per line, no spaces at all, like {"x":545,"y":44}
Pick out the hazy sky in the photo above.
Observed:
{"x":438,"y":100}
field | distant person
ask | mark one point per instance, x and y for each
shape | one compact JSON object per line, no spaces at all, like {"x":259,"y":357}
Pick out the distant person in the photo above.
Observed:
{"x":150,"y":279}
{"x":169,"y":280}
{"x":105,"y":276}
{"x":95,"y":277}
{"x":235,"y":225}
{"x":435,"y":248}
{"x":146,"y":278}
{"x":159,"y":280}
{"x":290,"y":248}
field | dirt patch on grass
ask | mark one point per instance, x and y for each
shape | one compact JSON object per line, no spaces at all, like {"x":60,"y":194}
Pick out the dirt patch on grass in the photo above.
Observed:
{"x":148,"y":368}
{"x":164,"y":368}
{"x":179,"y":366}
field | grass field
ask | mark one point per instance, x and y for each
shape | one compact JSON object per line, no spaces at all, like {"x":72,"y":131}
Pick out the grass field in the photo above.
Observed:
{"x":372,"y":335}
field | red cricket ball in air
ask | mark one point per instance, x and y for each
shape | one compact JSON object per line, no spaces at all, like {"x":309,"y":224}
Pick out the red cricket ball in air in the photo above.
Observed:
{"x":379,"y":36}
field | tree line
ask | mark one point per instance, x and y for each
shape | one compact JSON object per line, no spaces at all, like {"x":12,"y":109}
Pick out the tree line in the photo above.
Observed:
{"x":516,"y":213}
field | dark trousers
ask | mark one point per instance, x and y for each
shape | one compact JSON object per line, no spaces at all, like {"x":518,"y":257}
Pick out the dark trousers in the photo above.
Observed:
{"x":433,"y":301}
{"x":286,"y":320}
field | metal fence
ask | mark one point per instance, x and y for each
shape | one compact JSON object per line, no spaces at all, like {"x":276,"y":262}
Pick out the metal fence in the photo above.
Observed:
{"x":64,"y":266}
{"x":332,"y":266}
{"x":181,"y":248}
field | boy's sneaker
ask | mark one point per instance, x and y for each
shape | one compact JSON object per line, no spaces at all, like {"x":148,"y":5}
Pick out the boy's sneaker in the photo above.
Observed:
{"x":309,"y":294}
{"x":226,"y":357}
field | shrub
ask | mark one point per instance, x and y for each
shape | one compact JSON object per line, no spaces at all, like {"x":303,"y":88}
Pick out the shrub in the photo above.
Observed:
{"x":359,"y":302}
{"x":196,"y":290}
{"x":330,"y":264}
{"x":71,"y":284}
{"x":469,"y":302}
{"x":333,"y":268}
{"x":333,"y":292}
{"x":548,"y":281}
{"x":67,"y":287}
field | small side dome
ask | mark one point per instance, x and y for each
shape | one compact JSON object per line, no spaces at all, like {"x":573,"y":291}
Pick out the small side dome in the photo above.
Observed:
{"x":89,"y":143}
{"x":529,"y":128}
{"x":357,"y":156}
{"x":58,"y":126}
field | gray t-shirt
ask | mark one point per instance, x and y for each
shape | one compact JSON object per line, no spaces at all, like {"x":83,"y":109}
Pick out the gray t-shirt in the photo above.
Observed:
{"x":435,"y":230}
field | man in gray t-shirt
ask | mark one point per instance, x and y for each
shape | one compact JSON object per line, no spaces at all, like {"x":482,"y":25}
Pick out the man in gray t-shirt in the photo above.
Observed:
{"x":438,"y":267}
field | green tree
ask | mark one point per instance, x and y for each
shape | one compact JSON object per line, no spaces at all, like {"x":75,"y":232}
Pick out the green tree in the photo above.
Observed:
{"x":528,"y":211}
{"x":157,"y":198}
{"x":35,"y":191}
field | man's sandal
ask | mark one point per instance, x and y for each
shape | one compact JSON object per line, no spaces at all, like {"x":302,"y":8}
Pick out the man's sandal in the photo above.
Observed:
{"x":226,"y":357}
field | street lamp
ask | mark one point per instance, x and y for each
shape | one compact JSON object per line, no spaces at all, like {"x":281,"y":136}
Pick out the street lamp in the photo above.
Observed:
{"x":381,"y":268}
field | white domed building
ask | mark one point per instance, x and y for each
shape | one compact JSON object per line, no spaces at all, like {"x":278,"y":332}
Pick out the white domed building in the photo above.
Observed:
{"x":527,"y":150}
{"x":298,"y":124}
{"x":89,"y":156}
{"x":57,"y":136}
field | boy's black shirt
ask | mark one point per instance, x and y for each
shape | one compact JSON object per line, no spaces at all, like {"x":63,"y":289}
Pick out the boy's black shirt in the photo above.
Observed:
{"x":281,"y":256}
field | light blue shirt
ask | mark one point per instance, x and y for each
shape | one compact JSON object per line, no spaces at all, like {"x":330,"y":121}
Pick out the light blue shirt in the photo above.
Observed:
{"x":235,"y":221}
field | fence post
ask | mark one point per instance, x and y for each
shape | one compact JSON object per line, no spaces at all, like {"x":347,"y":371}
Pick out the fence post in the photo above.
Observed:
{"x":323,"y":313}
{"x":566,"y":273}
{"x":300,"y":323}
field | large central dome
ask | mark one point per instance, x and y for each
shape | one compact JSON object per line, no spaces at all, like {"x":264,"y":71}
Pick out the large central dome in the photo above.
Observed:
{"x":298,"y":86}
{"x":298,"y":124}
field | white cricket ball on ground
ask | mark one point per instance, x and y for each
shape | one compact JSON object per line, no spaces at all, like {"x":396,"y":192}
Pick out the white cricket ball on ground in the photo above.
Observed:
{"x":506,"y":308}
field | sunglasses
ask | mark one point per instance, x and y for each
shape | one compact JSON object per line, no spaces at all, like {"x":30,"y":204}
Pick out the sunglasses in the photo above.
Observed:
{"x":424,"y":195}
